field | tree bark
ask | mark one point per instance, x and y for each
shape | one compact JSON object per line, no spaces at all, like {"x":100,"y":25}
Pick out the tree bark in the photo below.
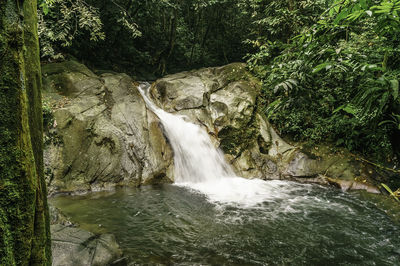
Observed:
{"x":24,"y":217}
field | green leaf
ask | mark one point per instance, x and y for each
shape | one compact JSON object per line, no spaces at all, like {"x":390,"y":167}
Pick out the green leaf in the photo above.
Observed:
{"x":342,"y":15}
{"x":386,"y":122}
{"x":363,"y":4}
{"x":45,"y":8}
{"x":348,"y":108}
{"x":355,"y":15}
{"x":394,"y":83}
{"x":322,"y":66}
{"x":272,"y":107}
{"x":338,"y":109}
{"x":390,"y":192}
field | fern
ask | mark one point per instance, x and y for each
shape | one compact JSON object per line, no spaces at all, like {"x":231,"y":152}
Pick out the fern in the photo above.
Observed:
{"x":286,"y":85}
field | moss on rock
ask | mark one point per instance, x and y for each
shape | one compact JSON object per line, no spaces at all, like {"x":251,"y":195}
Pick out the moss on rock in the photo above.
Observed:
{"x":236,"y":140}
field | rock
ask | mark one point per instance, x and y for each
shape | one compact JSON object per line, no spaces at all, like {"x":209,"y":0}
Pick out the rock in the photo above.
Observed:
{"x":346,"y":185}
{"x":106,"y":136}
{"x":70,"y":78}
{"x":57,"y":217}
{"x":302,"y":166}
{"x":73,"y":246}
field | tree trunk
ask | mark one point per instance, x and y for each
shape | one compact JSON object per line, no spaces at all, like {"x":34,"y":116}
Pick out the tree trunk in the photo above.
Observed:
{"x":24,"y":218}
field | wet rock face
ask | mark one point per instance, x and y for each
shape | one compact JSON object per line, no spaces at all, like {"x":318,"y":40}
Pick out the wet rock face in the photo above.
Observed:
{"x":105,"y":134}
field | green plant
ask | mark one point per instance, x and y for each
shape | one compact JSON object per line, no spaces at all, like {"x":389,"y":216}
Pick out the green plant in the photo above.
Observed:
{"x":338,"y":80}
{"x":48,"y":117}
{"x":61,"y":21}
{"x":395,"y":121}
{"x":395,"y":194}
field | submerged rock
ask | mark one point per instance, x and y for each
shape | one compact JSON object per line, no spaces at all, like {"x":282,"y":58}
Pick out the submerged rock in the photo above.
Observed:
{"x":75,"y":246}
{"x":72,"y":246}
{"x":57,"y":217}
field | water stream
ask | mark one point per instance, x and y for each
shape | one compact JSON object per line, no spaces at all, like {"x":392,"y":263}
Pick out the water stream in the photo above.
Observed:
{"x":212,"y":217}
{"x":298,"y":225}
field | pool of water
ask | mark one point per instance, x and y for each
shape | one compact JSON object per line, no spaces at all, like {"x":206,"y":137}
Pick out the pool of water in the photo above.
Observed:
{"x":296,"y":224}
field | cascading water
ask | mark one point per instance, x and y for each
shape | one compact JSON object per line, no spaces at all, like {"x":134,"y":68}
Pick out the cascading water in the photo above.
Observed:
{"x":202,"y":167}
{"x":196,"y":160}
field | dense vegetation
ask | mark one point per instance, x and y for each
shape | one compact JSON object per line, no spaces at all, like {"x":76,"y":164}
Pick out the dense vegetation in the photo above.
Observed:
{"x":330,"y":68}
{"x":147,"y":38}
{"x":338,"y":80}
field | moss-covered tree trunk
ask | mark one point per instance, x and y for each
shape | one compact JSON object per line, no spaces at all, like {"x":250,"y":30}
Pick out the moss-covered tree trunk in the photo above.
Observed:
{"x":24,"y":219}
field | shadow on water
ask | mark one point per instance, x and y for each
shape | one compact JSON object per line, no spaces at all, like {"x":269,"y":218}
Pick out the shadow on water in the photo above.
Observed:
{"x":300,"y":225}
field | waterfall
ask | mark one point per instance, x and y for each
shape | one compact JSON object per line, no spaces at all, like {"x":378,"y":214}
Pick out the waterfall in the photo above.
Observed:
{"x":202,"y":167}
{"x":195,"y":157}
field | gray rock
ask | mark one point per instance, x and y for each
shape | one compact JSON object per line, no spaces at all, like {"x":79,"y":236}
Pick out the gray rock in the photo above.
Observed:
{"x":73,"y":246}
{"x":57,"y":217}
{"x":69,"y":77}
{"x":107,"y":136}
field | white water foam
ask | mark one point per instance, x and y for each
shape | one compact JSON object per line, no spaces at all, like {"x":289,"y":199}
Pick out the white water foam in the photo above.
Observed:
{"x":202,"y":167}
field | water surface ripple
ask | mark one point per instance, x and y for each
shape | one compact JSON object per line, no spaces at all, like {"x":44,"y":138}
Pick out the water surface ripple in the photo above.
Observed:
{"x":296,"y":225}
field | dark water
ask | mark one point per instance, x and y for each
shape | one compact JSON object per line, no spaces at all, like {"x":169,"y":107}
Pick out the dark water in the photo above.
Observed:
{"x":298,"y":225}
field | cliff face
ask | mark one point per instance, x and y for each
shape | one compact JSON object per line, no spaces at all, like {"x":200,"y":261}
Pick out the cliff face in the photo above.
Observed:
{"x":24,"y":221}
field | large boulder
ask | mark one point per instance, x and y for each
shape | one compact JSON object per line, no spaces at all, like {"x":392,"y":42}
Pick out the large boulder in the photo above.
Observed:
{"x":102,"y":135}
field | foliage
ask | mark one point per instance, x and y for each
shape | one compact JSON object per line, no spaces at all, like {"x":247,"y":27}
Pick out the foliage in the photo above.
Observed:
{"x":338,"y":80}
{"x":48,"y":116}
{"x":143,"y":36}
{"x":277,"y":22}
{"x":395,"y":194}
{"x":61,"y":21}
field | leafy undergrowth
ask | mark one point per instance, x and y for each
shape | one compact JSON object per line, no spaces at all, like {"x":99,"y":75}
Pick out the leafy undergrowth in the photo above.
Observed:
{"x":337,"y":80}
